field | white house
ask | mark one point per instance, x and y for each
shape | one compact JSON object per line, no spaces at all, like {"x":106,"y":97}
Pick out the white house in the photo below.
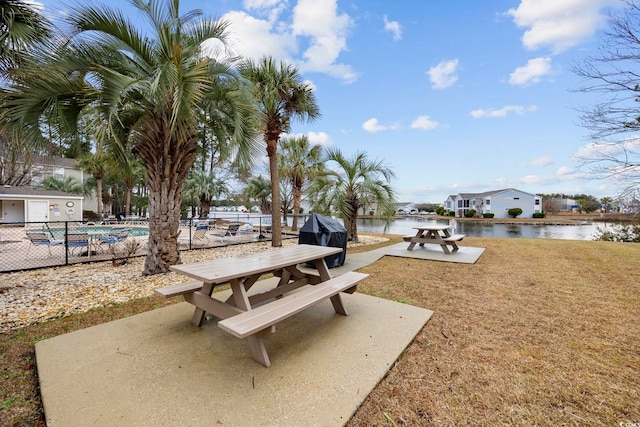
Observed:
{"x":497,"y":202}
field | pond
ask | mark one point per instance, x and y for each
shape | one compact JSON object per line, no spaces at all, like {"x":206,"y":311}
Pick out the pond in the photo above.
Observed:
{"x":404,"y":226}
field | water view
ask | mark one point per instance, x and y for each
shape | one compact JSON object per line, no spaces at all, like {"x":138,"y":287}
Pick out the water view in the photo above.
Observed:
{"x":404,"y":226}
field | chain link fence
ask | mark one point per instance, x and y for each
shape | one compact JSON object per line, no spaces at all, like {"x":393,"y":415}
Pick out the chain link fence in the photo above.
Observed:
{"x":25,"y":246}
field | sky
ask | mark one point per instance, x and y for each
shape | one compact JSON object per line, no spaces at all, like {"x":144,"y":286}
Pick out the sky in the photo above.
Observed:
{"x":454,"y":96}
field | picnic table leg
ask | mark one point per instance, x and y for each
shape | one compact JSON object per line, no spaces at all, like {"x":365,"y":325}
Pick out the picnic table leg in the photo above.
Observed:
{"x":198,"y":314}
{"x":258,"y":350}
{"x":413,"y":244}
{"x":336,"y":300}
{"x":256,"y":341}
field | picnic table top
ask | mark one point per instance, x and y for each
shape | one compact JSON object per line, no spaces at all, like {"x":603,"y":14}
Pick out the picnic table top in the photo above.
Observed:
{"x":222,"y":270}
{"x":432,"y":227}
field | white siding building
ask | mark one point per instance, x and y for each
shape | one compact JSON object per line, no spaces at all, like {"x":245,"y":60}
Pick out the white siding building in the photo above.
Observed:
{"x":496,"y":202}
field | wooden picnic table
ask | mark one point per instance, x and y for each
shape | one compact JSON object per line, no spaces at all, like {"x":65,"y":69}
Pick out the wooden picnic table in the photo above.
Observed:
{"x":254,"y":316}
{"x":435,"y":234}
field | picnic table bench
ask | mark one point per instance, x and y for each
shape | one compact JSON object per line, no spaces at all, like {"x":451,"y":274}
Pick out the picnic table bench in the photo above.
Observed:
{"x":434,"y":234}
{"x":254,"y":317}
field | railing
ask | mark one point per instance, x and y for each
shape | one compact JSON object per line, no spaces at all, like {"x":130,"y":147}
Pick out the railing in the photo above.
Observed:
{"x":30,"y":245}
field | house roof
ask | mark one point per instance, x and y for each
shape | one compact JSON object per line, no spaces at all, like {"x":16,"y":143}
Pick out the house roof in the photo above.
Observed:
{"x":24,"y":191}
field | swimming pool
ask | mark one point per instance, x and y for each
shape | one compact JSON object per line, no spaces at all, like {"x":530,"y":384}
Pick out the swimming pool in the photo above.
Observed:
{"x":58,"y":232}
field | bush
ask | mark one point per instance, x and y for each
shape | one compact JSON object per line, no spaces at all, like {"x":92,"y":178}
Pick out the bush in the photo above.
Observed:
{"x":538,"y":214}
{"x":90,"y":216}
{"x":451,"y":213}
{"x":487,"y":215}
{"x":619,"y":233}
{"x":470,"y":213}
{"x":514,"y":212}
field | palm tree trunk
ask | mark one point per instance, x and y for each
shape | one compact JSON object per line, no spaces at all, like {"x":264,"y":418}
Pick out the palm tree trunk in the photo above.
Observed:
{"x":99,"y":198}
{"x":164,"y":220}
{"x":167,"y":160}
{"x":127,"y":203}
{"x":297,"y":195}
{"x":276,"y":230}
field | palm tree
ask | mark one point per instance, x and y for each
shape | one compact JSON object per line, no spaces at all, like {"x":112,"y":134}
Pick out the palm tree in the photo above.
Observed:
{"x":282,"y":96}
{"x":259,"y":188}
{"x":204,"y":187}
{"x":97,"y":165}
{"x":342,"y":192}
{"x":21,"y":27}
{"x":68,"y":184}
{"x":299,"y":160}
{"x":150,"y":87}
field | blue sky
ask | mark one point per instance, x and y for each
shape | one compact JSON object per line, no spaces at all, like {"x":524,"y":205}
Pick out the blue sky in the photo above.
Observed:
{"x":464,"y":96}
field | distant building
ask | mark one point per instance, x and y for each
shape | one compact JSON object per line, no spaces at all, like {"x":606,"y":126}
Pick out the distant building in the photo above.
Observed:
{"x":497,"y":202}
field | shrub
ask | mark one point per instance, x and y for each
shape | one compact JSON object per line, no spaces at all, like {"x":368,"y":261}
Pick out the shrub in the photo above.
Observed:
{"x":90,"y":216}
{"x":451,"y":213}
{"x":470,"y":213}
{"x":514,"y":212}
{"x":487,"y":215}
{"x":538,"y":214}
{"x":619,"y":233}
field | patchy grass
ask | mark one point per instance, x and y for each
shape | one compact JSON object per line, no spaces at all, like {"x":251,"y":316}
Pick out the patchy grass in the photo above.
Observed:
{"x":537,"y":332}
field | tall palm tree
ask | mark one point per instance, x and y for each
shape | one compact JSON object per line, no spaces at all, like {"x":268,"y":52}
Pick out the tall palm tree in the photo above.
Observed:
{"x":299,"y":160}
{"x":282,"y":96}
{"x":96,"y":165}
{"x":342,"y":191}
{"x":155,"y":78}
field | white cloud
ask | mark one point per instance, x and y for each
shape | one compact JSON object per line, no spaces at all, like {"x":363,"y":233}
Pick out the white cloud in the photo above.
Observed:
{"x":557,"y":24}
{"x":373,"y":126}
{"x":605,"y":149}
{"x":565,"y":170}
{"x":424,"y":123}
{"x":443,"y":75}
{"x":320,"y":138}
{"x":539,"y":162}
{"x":258,"y":37}
{"x":502,"y":112}
{"x":327,"y":32}
{"x":531,"y":72}
{"x":315,"y":25}
{"x":393,"y":27}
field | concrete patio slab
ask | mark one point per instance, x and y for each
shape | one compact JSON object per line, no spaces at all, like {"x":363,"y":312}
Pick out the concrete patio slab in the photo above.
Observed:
{"x":156,"y":368}
{"x":465,"y":255}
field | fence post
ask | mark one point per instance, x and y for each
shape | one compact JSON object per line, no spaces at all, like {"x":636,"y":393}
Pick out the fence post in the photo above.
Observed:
{"x":66,"y":242}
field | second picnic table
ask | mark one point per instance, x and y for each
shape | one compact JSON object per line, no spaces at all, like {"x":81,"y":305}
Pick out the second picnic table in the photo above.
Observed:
{"x":435,"y":234}
{"x":254,"y":316}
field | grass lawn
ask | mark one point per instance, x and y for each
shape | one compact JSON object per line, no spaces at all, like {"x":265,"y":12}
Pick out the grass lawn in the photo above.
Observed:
{"x":537,"y":332}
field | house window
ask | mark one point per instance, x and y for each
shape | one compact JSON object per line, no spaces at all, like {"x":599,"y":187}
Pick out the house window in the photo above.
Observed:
{"x":459,"y":203}
{"x":466,"y":203}
{"x":537,"y":202}
{"x":488,"y":202}
{"x":516,"y":198}
{"x":58,"y":173}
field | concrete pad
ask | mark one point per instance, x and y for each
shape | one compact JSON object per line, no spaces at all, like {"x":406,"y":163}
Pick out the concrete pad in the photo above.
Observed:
{"x":156,"y":368}
{"x":465,"y":254}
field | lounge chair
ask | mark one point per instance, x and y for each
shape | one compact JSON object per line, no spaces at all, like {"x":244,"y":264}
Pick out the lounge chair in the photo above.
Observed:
{"x":78,"y":240}
{"x":40,"y":238}
{"x":198,"y":238}
{"x":115,"y":236}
